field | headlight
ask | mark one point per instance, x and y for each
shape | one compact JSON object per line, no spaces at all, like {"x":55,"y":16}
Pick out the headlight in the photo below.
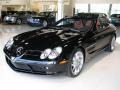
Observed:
{"x":36,"y":20}
{"x":51,"y":54}
{"x":9,"y":43}
{"x":55,"y":53}
{"x":45,"y":53}
{"x":12,"y":19}
{"x":6,"y":18}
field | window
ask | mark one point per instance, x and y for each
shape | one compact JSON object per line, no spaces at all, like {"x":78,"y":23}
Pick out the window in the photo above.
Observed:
{"x":115,"y":9}
{"x":81,"y":8}
{"x":43,"y":13}
{"x":101,"y":8}
{"x":65,"y":22}
{"x":115,"y":15}
{"x":101,"y":23}
{"x":52,"y":14}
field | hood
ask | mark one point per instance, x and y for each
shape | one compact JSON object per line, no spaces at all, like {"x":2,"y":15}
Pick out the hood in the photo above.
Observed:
{"x":37,"y":17}
{"x":37,"y":40}
{"x":11,"y":15}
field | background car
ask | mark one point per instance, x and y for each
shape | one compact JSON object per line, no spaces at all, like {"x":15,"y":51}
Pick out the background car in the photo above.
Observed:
{"x":115,"y":19}
{"x":5,"y":13}
{"x":18,"y":17}
{"x":54,"y":49}
{"x":43,"y":19}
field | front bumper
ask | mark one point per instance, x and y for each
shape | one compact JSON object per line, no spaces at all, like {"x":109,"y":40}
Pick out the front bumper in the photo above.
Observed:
{"x":9,"y":21}
{"x":34,"y":24}
{"x":32,"y":66}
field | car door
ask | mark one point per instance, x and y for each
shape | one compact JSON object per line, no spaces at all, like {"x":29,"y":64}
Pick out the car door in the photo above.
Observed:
{"x":102,"y":35}
{"x":89,"y":40}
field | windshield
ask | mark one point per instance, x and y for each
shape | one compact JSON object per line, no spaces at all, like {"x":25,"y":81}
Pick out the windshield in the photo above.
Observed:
{"x":79,"y":24}
{"x":115,"y":15}
{"x":43,"y":14}
{"x":67,"y":21}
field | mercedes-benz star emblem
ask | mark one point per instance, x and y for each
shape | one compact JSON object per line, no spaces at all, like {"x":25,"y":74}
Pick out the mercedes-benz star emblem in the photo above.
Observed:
{"x":19,"y":50}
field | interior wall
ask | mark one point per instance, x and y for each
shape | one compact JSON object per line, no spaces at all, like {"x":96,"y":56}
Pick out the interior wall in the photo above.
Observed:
{"x":17,"y":4}
{"x":43,"y":6}
{"x":15,"y":7}
{"x":69,"y":8}
{"x":13,"y":2}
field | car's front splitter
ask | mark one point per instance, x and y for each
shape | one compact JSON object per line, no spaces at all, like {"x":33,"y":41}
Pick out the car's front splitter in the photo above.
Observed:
{"x":37,"y":67}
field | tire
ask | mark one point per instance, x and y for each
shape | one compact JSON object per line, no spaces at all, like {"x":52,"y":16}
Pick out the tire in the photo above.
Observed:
{"x":45,"y":23}
{"x":76,"y":62}
{"x":111,"y":47}
{"x":19,"y":21}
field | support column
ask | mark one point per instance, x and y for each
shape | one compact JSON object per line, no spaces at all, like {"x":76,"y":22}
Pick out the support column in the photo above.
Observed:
{"x":0,"y":10}
{"x":28,"y":5}
{"x":60,"y":9}
{"x":110,"y":8}
{"x":69,"y":9}
{"x":89,"y":8}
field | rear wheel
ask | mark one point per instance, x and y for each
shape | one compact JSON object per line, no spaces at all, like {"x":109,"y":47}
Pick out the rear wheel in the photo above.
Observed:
{"x":76,"y":62}
{"x":112,"y":44}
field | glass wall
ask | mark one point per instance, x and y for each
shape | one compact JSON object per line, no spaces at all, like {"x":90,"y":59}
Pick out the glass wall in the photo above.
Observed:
{"x":115,"y":9}
{"x":81,"y":8}
{"x":101,"y":8}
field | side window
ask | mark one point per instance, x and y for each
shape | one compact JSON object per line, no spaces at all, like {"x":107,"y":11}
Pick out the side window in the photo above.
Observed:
{"x":78,"y":24}
{"x":52,"y":14}
{"x":65,"y":22}
{"x":104,"y":21}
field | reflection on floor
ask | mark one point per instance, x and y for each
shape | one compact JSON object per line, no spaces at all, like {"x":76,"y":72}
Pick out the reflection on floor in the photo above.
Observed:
{"x":101,"y":73}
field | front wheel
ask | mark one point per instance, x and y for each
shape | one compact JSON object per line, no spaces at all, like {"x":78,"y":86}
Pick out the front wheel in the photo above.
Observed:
{"x":45,"y":23}
{"x":19,"y":21}
{"x":76,"y":62}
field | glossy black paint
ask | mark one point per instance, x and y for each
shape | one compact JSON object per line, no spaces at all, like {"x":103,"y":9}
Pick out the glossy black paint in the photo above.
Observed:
{"x":91,"y":40}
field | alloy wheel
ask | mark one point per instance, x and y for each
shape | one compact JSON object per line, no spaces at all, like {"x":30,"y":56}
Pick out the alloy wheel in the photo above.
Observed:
{"x":77,"y":62}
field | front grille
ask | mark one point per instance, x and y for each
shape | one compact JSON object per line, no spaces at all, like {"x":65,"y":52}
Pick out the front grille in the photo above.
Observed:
{"x":36,"y":68}
{"x":32,"y":55}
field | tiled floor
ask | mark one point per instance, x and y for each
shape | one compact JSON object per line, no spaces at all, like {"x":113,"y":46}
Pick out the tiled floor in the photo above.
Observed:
{"x":101,"y":73}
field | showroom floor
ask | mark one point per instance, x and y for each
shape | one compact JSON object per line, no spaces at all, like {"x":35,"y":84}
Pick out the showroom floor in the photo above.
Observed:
{"x":101,"y":73}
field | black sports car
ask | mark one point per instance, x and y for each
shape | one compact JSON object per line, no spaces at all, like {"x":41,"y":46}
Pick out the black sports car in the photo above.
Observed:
{"x":115,"y":19}
{"x":18,"y":17}
{"x":61,"y":49}
{"x":42,"y":19}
